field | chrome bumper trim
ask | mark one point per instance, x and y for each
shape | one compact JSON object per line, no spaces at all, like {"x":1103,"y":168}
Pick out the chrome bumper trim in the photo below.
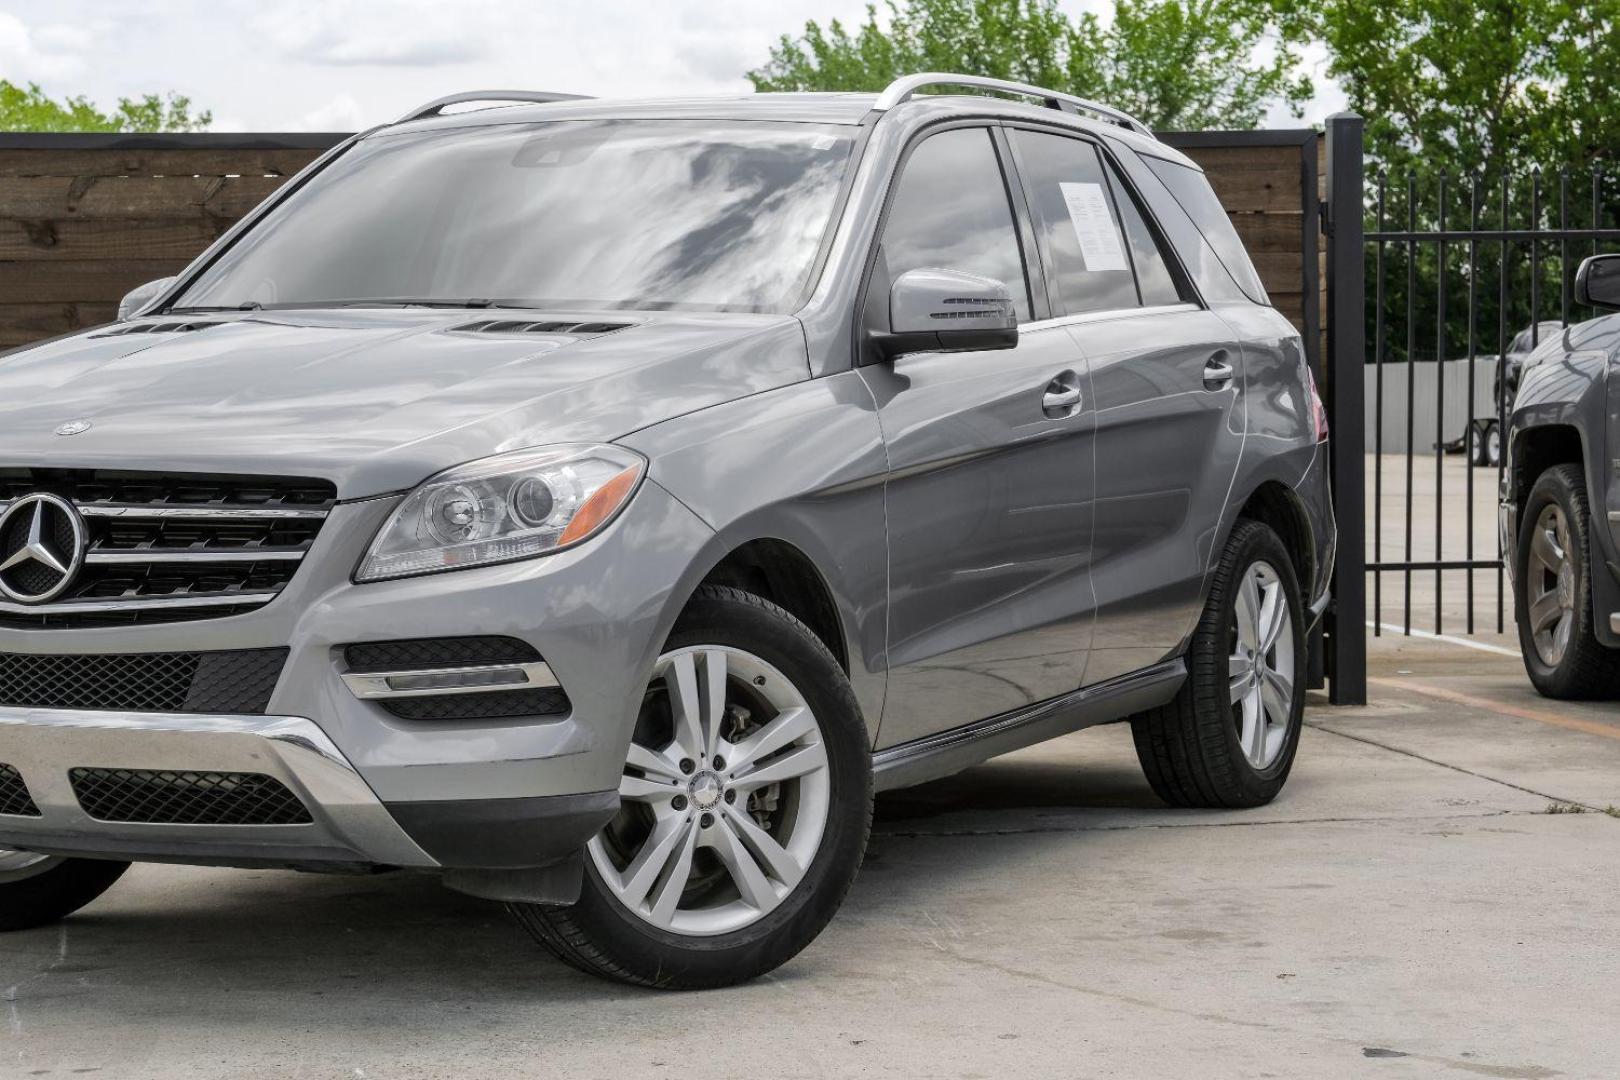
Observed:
{"x":483,"y":679}
{"x":151,"y":603}
{"x":350,"y":822}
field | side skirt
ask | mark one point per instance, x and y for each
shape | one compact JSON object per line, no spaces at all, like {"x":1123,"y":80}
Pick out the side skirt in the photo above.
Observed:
{"x":934,"y":756}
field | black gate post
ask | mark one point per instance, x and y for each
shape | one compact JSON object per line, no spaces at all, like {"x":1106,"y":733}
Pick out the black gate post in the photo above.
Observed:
{"x":1346,"y":364}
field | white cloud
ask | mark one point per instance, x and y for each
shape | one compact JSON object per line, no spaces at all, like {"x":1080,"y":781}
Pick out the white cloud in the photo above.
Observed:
{"x":342,"y":113}
{"x":415,"y":33}
{"x":55,"y":52}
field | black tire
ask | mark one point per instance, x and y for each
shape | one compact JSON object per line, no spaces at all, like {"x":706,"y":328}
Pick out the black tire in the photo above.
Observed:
{"x":1476,"y":448}
{"x":1493,"y":444}
{"x":54,"y":892}
{"x":598,"y":935}
{"x":1587,"y":669}
{"x":1189,"y":748}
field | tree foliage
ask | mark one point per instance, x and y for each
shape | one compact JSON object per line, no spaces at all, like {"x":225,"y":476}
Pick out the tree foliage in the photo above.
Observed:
{"x":1478,"y":86}
{"x":1173,"y":63}
{"x":29,"y":108}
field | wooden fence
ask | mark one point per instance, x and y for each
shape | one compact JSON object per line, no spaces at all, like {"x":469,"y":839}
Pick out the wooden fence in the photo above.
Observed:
{"x":86,"y":218}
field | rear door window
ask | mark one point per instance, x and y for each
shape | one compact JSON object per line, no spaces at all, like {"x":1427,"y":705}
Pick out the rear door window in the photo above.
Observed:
{"x":1156,"y":278}
{"x":1079,"y":223}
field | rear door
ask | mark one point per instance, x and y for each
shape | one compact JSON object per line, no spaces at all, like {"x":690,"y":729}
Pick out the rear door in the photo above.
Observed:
{"x":1165,"y":384}
{"x":990,"y":483}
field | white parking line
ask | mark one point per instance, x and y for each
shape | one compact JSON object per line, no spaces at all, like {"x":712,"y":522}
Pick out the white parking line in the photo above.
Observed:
{"x":1391,"y":628}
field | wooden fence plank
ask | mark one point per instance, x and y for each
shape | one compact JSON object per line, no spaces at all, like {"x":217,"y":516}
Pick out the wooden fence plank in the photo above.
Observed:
{"x":144,"y":197}
{"x":204,"y":162}
{"x":68,"y":281}
{"x":23,"y":323}
{"x":108,"y":238}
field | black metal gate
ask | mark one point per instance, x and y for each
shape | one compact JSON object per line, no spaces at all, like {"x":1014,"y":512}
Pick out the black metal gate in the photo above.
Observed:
{"x":1439,"y":288}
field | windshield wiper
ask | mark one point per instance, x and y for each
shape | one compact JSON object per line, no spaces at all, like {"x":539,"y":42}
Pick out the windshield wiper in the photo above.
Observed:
{"x":251,"y":305}
{"x":398,"y":301}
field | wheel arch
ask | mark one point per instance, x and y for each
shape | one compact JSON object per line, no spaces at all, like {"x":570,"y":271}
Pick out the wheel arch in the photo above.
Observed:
{"x":779,"y":571}
{"x":1275,"y":504}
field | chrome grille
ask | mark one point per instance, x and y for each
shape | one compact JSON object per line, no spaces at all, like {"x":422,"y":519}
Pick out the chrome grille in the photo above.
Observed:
{"x":170,"y":547}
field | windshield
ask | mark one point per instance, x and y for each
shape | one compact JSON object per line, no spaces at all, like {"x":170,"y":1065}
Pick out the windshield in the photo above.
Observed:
{"x":696,"y":215}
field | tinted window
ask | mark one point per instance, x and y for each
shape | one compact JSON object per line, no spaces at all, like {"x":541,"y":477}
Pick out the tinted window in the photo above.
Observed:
{"x":1195,"y":195}
{"x":1077,"y":216}
{"x":616,"y":214}
{"x":951,"y":212}
{"x":1154,"y":277}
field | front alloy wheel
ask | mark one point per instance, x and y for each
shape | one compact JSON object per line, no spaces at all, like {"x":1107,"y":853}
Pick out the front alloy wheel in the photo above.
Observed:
{"x":725,"y":792}
{"x":745,"y":804}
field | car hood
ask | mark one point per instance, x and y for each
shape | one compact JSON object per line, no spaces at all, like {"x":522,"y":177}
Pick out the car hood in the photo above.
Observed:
{"x":375,"y":401}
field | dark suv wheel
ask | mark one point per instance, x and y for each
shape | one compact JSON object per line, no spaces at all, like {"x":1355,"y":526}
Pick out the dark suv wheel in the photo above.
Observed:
{"x":1228,"y":737}
{"x":747,"y":803}
{"x":36,"y":890}
{"x":1553,"y":595}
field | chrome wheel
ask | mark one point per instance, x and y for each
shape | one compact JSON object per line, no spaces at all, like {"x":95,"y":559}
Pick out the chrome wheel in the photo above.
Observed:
{"x":1261,"y":666}
{"x":1550,"y":586}
{"x":726,"y":793}
{"x":17,"y":865}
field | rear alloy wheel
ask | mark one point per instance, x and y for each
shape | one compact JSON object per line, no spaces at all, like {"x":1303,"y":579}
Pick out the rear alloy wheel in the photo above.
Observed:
{"x":1562,"y":654}
{"x":745,"y":806}
{"x":1260,"y":670}
{"x":36,"y":890}
{"x":1228,"y":737}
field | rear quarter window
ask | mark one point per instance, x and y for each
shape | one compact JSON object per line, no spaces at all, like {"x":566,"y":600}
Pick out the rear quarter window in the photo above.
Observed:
{"x":1192,"y":191}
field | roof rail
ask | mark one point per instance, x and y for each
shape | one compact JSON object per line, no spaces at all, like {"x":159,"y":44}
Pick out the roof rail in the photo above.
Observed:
{"x":903,"y":88}
{"x":435,"y":108}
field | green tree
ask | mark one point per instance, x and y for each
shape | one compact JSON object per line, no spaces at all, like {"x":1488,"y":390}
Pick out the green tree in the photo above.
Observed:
{"x":1185,"y":64}
{"x":29,"y":108}
{"x":1475,"y":87}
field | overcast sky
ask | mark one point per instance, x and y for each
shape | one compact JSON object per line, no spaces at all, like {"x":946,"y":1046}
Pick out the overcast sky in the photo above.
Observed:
{"x":339,"y":65}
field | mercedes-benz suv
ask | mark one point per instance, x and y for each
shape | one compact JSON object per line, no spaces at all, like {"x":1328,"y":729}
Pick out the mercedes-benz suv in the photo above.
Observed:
{"x":593,"y":503}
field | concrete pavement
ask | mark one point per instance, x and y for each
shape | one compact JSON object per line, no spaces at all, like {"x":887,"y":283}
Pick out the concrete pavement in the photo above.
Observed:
{"x":1407,"y":908}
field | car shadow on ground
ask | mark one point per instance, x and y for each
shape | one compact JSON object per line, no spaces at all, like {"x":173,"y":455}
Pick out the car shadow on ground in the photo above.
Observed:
{"x":406,"y":938}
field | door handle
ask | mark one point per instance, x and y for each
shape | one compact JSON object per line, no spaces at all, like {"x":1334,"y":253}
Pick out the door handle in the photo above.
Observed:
{"x":1217,"y":372}
{"x":1062,"y":397}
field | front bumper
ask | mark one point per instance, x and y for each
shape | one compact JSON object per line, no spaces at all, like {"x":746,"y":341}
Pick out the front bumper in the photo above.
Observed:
{"x":349,"y":826}
{"x":382,"y":790}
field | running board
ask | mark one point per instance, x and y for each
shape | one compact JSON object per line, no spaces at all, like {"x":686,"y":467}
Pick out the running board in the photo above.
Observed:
{"x":948,"y":752}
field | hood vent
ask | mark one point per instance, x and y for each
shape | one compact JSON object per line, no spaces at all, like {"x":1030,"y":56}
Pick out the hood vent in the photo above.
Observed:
{"x":547,"y":326}
{"x":155,"y":328}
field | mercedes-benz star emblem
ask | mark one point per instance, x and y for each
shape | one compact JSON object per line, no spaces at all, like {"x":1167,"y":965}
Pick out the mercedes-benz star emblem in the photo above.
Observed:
{"x":75,"y":427}
{"x":42,"y":547}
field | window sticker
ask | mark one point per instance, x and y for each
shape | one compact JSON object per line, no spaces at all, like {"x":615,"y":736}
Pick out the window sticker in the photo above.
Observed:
{"x":1100,"y":244}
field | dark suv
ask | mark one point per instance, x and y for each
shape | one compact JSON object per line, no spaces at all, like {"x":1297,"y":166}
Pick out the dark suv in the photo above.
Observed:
{"x":1561,"y":499}
{"x":593,"y":503}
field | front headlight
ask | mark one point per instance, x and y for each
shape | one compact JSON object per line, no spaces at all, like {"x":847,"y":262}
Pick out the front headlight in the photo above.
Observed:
{"x":501,"y":509}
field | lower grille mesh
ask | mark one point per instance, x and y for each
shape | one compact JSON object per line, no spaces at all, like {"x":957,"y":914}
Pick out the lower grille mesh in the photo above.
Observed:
{"x":15,"y":799}
{"x":201,"y":682}
{"x":150,"y":797}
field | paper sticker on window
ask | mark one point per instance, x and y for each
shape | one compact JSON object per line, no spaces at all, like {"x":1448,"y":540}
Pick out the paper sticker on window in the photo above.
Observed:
{"x":1100,"y":244}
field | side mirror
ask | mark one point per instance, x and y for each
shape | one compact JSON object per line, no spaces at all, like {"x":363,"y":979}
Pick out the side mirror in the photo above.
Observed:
{"x":948,"y":311}
{"x":140,"y":296}
{"x":1597,"y":283}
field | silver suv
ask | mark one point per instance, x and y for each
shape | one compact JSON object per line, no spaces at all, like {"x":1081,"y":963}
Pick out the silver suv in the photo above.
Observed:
{"x":594,"y":503}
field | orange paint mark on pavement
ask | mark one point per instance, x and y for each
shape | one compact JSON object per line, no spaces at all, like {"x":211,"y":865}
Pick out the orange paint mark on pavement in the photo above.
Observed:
{"x":1571,"y":723}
